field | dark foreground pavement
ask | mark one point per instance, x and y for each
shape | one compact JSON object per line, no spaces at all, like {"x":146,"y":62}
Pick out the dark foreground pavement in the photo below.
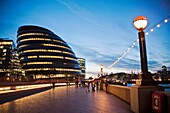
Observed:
{"x":67,"y":99}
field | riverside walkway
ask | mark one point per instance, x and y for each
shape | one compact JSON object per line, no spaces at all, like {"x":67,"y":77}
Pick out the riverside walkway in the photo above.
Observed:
{"x":67,"y":99}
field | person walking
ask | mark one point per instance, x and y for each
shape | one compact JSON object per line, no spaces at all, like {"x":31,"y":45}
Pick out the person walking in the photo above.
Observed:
{"x":87,"y":87}
{"x":106,"y":84}
{"x":93,"y":86}
{"x":97,"y":85}
{"x":76,"y":83}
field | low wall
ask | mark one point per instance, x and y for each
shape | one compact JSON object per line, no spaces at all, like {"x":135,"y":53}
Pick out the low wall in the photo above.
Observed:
{"x":122,"y":92}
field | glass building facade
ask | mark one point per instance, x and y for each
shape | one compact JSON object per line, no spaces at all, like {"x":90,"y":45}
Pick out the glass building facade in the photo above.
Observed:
{"x":43,"y":54}
{"x":5,"y":57}
{"x":82,"y":63}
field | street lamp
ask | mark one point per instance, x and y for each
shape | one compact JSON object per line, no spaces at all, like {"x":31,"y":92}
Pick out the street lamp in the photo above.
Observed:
{"x":101,"y":69}
{"x":140,"y":23}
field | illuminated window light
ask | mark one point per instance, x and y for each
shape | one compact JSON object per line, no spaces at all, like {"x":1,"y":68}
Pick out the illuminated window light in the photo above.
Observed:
{"x":32,"y":56}
{"x":22,"y":46}
{"x":30,"y":63}
{"x":53,"y":45}
{"x":42,"y":50}
{"x":60,"y":57}
{"x":5,"y":43}
{"x":52,"y":69}
{"x":70,"y":58}
{"x":26,"y":34}
{"x":28,"y":39}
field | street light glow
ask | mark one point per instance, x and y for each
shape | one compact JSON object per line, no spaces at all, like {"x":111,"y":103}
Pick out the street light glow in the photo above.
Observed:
{"x":101,"y":66}
{"x":140,"y":23}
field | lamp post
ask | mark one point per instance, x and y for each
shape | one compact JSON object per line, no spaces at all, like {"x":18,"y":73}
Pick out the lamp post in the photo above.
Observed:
{"x":140,"y":23}
{"x":101,"y":69}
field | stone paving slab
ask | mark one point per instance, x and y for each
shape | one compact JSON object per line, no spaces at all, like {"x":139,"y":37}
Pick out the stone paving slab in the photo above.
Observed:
{"x":67,"y":99}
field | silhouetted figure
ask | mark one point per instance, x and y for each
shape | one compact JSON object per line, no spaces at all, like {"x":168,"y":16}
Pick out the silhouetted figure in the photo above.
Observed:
{"x":87,"y":87}
{"x":77,"y":83}
{"x":106,"y":84}
{"x":97,"y":85}
{"x":53,"y":84}
{"x":93,"y":86}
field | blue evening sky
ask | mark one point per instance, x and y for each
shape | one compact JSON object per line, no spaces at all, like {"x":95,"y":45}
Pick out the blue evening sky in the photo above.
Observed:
{"x":98,"y":30}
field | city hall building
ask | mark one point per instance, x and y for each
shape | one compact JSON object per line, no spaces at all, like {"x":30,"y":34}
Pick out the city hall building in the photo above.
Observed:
{"x":43,"y":54}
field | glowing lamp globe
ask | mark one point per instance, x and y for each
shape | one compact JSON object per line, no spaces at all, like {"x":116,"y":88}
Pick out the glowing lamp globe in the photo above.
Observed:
{"x":140,"y":23}
{"x":101,"y":66}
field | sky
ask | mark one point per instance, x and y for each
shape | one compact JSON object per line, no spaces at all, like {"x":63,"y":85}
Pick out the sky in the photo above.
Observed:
{"x":98,"y":30}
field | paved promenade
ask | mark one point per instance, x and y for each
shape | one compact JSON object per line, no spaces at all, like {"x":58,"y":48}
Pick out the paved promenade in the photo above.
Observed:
{"x":67,"y":99}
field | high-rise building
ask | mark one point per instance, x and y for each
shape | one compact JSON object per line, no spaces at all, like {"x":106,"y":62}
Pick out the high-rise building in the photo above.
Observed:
{"x":82,"y":63}
{"x":16,"y":70}
{"x":5,"y":57}
{"x":43,"y":54}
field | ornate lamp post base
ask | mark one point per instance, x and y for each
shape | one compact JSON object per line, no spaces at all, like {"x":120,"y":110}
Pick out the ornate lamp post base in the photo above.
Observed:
{"x":146,"y":80}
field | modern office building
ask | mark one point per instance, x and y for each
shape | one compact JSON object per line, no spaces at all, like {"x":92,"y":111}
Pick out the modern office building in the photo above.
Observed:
{"x":16,"y":69}
{"x":82,"y":63}
{"x":43,"y":54}
{"x":5,"y":57}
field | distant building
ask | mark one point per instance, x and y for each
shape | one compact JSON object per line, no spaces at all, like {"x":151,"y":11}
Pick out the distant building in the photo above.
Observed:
{"x":163,"y":74}
{"x":16,"y":68}
{"x":82,"y":63}
{"x":5,"y":57}
{"x":43,"y":54}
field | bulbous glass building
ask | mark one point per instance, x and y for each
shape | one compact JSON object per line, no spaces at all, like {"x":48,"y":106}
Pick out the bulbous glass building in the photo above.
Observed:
{"x":43,"y":54}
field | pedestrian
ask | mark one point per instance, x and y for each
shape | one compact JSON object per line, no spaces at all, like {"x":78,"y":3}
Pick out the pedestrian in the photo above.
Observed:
{"x":106,"y":84}
{"x":93,"y":86}
{"x":97,"y":85}
{"x":87,"y":87}
{"x":76,"y":83}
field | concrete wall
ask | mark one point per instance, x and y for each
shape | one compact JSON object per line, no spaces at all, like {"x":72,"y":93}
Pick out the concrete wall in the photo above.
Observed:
{"x":122,"y":92}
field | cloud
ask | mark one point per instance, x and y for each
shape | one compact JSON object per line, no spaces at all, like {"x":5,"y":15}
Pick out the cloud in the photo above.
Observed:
{"x":98,"y":58}
{"x":79,"y":11}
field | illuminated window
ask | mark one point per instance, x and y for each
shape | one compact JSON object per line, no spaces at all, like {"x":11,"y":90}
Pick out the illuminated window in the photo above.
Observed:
{"x":60,"y":57}
{"x":26,"y":34}
{"x":19,"y":52}
{"x":24,"y":64}
{"x":53,"y":45}
{"x":30,"y":63}
{"x":28,"y":39}
{"x":3,"y":58}
{"x":57,"y":41}
{"x":69,"y":58}
{"x":5,"y":43}
{"x":68,"y":53}
{"x":42,"y":50}
{"x":52,"y":69}
{"x":22,"y":58}
{"x":22,"y":46}
{"x":32,"y":56}
{"x":4,"y":50}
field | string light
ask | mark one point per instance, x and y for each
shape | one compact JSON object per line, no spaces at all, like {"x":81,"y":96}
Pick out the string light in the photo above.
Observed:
{"x":166,"y":20}
{"x":158,"y":25}
{"x":151,"y":30}
{"x":137,"y":40}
